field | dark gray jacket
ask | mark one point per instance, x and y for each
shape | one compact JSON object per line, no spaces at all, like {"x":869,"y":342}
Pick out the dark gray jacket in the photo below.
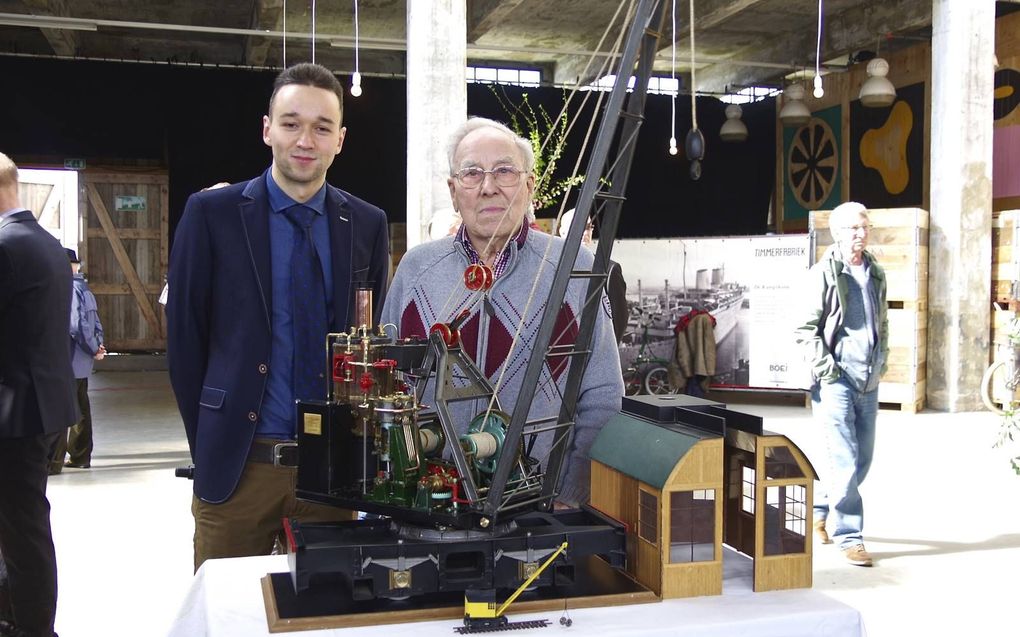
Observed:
{"x":826,"y":297}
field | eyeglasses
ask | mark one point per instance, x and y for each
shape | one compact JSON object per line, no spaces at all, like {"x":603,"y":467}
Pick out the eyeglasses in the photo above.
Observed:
{"x":502,"y":175}
{"x":866,"y":227}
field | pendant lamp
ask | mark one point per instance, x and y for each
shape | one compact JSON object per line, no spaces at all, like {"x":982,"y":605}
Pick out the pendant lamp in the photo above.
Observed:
{"x":794,"y":111}
{"x":877,"y":91}
{"x":733,"y":129}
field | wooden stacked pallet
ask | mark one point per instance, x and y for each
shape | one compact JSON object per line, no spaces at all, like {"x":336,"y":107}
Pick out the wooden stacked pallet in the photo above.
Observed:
{"x":1005,"y":275}
{"x":899,"y":240}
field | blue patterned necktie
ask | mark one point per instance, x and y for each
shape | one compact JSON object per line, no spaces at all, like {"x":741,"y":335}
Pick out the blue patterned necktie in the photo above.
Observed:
{"x":308,"y":309}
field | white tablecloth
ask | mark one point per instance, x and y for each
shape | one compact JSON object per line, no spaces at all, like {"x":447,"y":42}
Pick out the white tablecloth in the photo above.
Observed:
{"x":225,"y":600}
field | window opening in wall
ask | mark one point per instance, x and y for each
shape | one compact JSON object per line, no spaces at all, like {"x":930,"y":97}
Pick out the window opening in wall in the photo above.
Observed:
{"x":750,"y":94}
{"x":747,"y":490}
{"x":648,"y":517}
{"x":494,"y":75}
{"x":785,"y":519}
{"x":780,"y":463}
{"x":692,"y":526}
{"x":656,"y":85}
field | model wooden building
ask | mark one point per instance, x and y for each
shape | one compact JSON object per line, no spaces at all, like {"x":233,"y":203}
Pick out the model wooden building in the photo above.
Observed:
{"x":683,"y":474}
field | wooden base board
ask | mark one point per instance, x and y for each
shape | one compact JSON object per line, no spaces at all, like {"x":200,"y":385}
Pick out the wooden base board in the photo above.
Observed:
{"x":908,"y":407}
{"x":598,"y":584}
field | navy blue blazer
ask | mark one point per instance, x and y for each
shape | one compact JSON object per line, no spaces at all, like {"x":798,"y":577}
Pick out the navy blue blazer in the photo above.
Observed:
{"x":219,"y":309}
{"x":38,"y":394}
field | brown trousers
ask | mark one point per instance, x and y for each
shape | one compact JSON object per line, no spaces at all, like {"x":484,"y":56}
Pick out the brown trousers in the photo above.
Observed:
{"x":250,"y":521}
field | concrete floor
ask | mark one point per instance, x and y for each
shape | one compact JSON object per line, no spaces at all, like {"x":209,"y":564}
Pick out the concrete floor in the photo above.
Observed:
{"x":943,"y":521}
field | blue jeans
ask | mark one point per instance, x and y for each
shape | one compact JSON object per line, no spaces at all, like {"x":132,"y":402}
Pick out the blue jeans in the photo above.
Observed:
{"x":846,"y":418}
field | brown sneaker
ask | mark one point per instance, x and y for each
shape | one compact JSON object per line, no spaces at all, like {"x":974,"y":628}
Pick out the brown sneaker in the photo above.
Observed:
{"x":857,"y":556}
{"x":821,"y":533}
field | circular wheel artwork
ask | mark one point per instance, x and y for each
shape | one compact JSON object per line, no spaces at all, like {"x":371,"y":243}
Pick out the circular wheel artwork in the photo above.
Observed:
{"x":812,"y":164}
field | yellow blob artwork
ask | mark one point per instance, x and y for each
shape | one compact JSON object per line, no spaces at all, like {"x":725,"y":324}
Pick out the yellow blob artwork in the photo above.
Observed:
{"x":885,"y":148}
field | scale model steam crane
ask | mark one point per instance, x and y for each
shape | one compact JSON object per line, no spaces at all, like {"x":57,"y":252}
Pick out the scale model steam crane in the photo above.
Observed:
{"x":458,"y":506}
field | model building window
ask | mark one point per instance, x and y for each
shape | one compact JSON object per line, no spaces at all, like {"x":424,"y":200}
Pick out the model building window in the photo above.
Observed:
{"x":692,"y":526}
{"x":747,"y":490}
{"x":785,"y":519}
{"x":648,"y":517}
{"x":780,"y":463}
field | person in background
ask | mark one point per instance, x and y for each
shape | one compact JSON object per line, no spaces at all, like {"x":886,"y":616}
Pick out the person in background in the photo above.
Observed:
{"x":86,"y":347}
{"x":492,"y":184}
{"x":36,"y":406}
{"x":616,"y":286}
{"x":444,"y":223}
{"x":260,"y":272}
{"x":846,"y":339}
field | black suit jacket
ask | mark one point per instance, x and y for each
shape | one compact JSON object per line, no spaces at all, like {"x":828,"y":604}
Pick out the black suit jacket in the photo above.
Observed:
{"x":37,"y":387}
{"x":219,"y":309}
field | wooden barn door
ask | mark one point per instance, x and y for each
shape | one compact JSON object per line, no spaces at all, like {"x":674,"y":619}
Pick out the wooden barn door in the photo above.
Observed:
{"x":125,"y":255}
{"x":53,"y":196}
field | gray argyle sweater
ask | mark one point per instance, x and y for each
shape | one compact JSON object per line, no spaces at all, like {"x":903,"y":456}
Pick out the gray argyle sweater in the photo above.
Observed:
{"x":429,"y":287}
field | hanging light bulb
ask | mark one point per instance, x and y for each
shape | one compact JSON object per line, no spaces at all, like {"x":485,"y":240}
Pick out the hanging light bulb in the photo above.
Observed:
{"x":356,"y":77}
{"x":672,"y":100}
{"x":877,"y":91}
{"x":819,"y":91}
{"x":794,"y":112}
{"x":733,"y":129}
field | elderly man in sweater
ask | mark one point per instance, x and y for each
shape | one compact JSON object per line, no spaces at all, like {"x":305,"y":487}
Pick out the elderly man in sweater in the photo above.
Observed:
{"x":492,"y":183}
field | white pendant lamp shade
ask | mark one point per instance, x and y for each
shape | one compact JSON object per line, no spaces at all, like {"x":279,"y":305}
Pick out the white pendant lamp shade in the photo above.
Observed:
{"x":794,"y":111}
{"x":877,"y":91}
{"x":733,"y":129}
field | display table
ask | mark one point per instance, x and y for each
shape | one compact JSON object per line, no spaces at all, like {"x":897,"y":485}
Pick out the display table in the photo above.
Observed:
{"x":226,"y":600}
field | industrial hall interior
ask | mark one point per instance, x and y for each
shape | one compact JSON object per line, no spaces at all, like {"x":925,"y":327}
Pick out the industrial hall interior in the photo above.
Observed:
{"x":628,"y":317}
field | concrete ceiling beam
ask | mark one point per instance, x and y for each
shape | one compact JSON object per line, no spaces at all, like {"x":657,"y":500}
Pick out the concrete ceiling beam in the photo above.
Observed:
{"x":62,"y":41}
{"x":860,"y":27}
{"x":266,"y":15}
{"x":483,"y":15}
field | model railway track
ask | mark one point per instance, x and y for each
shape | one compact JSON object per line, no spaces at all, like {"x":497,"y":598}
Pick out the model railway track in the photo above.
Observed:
{"x":535,"y":623}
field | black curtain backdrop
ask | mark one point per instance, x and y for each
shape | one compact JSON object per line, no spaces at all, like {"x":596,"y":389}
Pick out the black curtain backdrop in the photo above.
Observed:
{"x":204,"y":125}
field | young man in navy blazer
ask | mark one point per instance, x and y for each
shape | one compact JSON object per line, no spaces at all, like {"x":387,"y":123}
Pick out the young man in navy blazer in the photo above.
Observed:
{"x":37,"y":404}
{"x":231,"y":312}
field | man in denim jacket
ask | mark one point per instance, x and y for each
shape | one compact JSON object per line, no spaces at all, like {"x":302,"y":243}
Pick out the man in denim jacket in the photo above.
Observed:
{"x":845,"y":336}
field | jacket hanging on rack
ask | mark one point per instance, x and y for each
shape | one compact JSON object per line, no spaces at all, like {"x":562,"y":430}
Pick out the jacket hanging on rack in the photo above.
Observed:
{"x":693,"y":363}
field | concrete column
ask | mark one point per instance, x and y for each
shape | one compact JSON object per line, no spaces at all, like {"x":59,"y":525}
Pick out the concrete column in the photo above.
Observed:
{"x":436,"y":104}
{"x":959,"y":261}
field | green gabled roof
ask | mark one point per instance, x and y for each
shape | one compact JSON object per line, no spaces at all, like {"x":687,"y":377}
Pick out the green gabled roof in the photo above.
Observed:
{"x":643,"y":450}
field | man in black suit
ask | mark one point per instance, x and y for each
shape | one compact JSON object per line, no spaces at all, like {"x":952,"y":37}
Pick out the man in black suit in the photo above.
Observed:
{"x":37,"y":403}
{"x":239,"y":316}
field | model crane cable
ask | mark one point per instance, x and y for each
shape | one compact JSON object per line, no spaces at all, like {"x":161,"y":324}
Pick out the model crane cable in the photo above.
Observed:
{"x":622,"y":76}
{"x":563,"y":111}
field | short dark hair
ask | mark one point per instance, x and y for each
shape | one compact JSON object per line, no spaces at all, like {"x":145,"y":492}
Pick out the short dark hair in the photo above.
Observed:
{"x":308,"y":74}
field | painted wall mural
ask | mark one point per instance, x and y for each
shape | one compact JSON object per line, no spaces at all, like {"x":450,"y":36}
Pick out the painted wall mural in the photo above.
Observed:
{"x":812,"y":165}
{"x":887,"y":151}
{"x":1006,"y":135}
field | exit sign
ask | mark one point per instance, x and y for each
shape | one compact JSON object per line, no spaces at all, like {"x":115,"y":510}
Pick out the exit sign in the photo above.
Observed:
{"x":74,"y":164}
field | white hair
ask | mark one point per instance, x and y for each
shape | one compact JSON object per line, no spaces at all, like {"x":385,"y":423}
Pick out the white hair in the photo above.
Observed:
{"x":846,"y":214}
{"x":473,"y":124}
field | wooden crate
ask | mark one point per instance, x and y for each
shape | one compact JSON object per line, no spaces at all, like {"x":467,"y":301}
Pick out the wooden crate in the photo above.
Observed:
{"x":125,"y":250}
{"x":899,"y":240}
{"x":1005,"y":257}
